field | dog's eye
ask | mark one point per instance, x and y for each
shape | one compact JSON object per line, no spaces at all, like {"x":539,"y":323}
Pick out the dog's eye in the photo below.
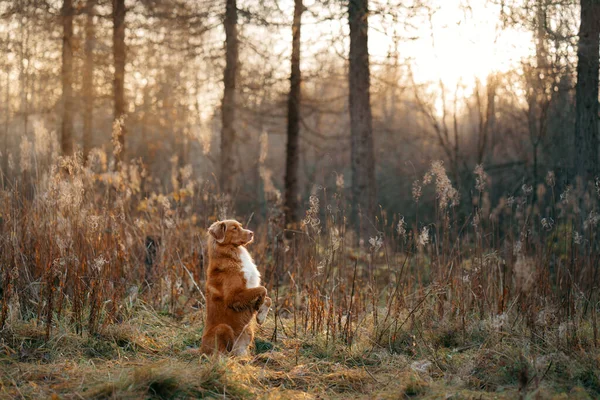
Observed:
{"x":234,"y":228}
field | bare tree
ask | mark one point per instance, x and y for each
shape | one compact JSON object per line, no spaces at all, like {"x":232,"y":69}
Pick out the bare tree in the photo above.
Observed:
{"x":6,"y":115}
{"x":293,"y":122}
{"x":88,"y":78}
{"x":540,"y":81}
{"x":586,"y":97}
{"x":66,"y":140}
{"x":119,"y":63}
{"x":486,"y":116}
{"x":228,"y":103}
{"x":361,"y":130}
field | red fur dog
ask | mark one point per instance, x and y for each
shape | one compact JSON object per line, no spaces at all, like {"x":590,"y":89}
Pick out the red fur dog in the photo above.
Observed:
{"x":234,"y":295}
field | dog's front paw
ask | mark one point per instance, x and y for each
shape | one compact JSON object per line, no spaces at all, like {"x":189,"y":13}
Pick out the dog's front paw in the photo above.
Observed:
{"x":238,"y":307}
{"x":259,"y":301}
{"x":263,"y":311}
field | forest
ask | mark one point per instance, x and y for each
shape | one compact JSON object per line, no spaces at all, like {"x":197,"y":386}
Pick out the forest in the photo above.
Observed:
{"x":422,"y":178}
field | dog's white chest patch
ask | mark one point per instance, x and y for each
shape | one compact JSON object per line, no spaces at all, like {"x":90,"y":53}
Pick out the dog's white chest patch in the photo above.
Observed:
{"x":249,"y":269}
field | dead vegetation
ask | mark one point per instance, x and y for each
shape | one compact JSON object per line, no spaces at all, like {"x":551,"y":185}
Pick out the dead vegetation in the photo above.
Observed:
{"x":101,"y":293}
{"x":162,"y":364}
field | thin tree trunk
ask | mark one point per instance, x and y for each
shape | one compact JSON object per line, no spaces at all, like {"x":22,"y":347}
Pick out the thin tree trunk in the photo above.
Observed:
{"x":88,"y":79}
{"x":541,"y":51}
{"x":6,"y":119}
{"x":539,"y":100}
{"x":228,"y":104}
{"x":119,"y":63}
{"x":362,"y":157}
{"x":24,"y":74}
{"x":490,"y":115}
{"x":586,"y":97}
{"x":293,"y":122}
{"x":146,"y":108}
{"x":66,"y":139}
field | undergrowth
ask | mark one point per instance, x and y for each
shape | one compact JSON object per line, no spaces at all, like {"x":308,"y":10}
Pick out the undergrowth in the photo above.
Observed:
{"x":102,"y":289}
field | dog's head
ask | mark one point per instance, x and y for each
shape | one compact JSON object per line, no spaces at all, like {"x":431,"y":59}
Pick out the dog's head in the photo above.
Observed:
{"x":230,"y":232}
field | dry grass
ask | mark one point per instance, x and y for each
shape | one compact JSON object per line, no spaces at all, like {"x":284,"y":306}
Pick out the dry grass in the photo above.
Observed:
{"x":161,"y":365}
{"x":101,"y":291}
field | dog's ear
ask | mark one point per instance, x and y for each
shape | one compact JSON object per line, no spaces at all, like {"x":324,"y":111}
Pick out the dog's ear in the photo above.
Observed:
{"x":217,"y":230}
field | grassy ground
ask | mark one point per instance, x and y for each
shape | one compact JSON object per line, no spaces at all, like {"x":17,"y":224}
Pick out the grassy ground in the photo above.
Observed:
{"x":153,"y":356}
{"x":502,"y":302}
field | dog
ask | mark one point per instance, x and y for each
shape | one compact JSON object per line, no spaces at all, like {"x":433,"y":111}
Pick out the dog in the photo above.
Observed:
{"x":234,"y":296}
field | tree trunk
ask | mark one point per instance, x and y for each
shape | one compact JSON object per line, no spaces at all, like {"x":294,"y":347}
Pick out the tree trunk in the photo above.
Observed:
{"x":66,"y":139}
{"x":24,"y":37}
{"x":228,"y":104}
{"x":6,"y":119}
{"x":539,"y":100}
{"x":88,"y":79}
{"x":586,"y":97}
{"x":293,"y":122}
{"x":119,"y":62}
{"x":146,"y":108}
{"x":362,"y":157}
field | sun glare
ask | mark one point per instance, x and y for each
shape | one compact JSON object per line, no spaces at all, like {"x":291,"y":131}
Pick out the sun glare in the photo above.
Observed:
{"x":455,"y":44}
{"x":459,"y":46}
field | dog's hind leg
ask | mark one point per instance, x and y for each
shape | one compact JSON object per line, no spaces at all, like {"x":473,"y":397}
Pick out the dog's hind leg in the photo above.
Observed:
{"x":263,"y":311}
{"x":219,"y":338}
{"x":243,"y":341}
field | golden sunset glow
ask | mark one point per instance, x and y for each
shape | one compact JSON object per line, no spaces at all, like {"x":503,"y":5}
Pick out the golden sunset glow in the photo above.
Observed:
{"x":299,"y":199}
{"x":455,"y":44}
{"x":461,"y":45}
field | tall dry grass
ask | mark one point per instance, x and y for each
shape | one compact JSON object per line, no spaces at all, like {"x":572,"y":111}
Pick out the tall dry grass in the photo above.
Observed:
{"x":87,"y":243}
